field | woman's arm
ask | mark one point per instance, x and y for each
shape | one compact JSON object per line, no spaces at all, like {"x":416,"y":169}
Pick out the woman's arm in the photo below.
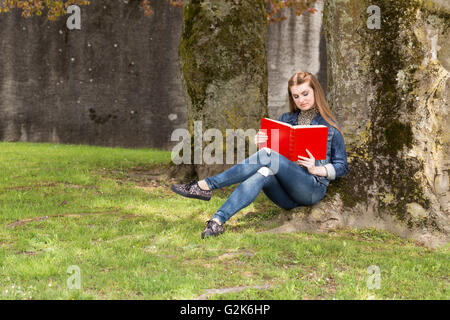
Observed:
{"x":310,"y":164}
{"x":319,"y":171}
{"x":338,"y":166}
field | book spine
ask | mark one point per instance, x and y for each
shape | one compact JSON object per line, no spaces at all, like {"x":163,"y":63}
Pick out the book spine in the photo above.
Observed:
{"x":291,"y":154}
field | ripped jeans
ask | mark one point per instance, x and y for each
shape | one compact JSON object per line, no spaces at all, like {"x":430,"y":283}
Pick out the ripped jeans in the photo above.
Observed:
{"x":284,"y":182}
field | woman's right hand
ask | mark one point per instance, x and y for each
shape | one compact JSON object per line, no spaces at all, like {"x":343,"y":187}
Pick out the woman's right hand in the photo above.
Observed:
{"x":260,"y":137}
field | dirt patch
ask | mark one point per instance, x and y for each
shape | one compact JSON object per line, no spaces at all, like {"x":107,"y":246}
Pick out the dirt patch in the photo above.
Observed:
{"x":237,"y":254}
{"x":31,"y":253}
{"x":163,"y":174}
{"x":124,"y":237}
{"x":148,"y":188}
{"x":25,"y":221}
{"x":210,"y":292}
{"x":129,"y":216}
{"x":46,"y":185}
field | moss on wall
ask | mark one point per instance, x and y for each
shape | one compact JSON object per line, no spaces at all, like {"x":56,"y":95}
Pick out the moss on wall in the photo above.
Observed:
{"x":391,"y":137}
{"x":381,"y":166}
{"x":221,"y":41}
{"x":224,"y":63}
{"x":397,"y":135}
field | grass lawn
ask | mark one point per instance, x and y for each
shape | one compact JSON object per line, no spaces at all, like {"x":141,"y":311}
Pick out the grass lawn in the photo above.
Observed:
{"x":130,"y":237}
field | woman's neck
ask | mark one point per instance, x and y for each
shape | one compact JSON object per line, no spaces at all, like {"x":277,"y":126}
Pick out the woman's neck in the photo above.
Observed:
{"x":305,"y":117}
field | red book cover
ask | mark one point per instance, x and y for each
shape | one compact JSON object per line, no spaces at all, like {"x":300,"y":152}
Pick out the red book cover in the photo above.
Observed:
{"x":292,"y":141}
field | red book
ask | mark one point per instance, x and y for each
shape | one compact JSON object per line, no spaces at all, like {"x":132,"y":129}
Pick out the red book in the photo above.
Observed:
{"x":294,"y":140}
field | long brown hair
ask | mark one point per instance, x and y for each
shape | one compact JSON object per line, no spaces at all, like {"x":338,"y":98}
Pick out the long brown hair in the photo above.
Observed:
{"x":319,"y":96}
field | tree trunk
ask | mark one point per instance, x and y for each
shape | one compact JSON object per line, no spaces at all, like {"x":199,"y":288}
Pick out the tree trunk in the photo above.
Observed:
{"x":224,"y":68}
{"x":389,"y":89}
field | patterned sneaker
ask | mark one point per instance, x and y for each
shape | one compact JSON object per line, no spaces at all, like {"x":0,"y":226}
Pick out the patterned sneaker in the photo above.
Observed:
{"x":191,"y":190}
{"x":212,"y":229}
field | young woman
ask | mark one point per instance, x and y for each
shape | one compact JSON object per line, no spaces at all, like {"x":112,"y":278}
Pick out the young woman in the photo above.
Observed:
{"x":288,"y":184}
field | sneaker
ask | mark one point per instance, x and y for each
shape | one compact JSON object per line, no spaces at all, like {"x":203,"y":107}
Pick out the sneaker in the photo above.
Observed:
{"x":191,"y":190}
{"x":212,"y":229}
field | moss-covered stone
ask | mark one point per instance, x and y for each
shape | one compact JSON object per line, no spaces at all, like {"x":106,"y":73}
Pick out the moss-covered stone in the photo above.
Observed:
{"x":224,"y":64}
{"x":397,"y":135}
{"x":386,"y":85}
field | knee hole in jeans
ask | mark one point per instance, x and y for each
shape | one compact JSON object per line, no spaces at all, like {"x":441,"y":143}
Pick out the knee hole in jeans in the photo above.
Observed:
{"x":265,"y":171}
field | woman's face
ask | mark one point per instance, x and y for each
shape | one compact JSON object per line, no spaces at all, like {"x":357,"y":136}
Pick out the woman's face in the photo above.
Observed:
{"x":303,"y":96}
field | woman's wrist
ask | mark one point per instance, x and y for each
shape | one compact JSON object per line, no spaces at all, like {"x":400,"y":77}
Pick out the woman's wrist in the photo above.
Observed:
{"x":320,"y":171}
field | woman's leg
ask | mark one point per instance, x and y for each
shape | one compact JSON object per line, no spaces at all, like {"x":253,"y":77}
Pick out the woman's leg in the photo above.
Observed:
{"x":247,"y":192}
{"x":298,"y":183}
{"x":290,"y":187}
{"x":246,"y":168}
{"x":241,"y":197}
{"x":276,"y":193}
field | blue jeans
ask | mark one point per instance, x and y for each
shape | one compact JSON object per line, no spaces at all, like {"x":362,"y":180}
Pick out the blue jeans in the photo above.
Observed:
{"x":289,"y":185}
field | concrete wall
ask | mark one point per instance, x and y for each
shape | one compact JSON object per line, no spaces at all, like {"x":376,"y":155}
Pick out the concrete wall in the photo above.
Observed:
{"x":116,"y":82}
{"x":294,"y":44}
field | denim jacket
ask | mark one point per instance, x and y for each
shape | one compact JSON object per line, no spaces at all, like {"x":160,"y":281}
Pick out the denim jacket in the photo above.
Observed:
{"x":336,"y":160}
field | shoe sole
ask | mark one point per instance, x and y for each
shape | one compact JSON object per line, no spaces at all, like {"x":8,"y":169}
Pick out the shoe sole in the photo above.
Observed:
{"x":188,"y":195}
{"x":204,"y":235}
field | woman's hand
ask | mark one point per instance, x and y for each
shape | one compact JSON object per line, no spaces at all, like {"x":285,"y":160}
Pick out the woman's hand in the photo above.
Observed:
{"x":309,"y":163}
{"x":260,"y":137}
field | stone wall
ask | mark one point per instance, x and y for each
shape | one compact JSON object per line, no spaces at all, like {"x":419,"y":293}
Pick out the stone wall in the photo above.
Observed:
{"x":389,"y":88}
{"x":295,"y":44}
{"x":116,"y":82}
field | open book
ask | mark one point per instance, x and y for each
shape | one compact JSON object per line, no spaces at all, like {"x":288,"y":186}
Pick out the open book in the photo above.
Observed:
{"x":292,"y":141}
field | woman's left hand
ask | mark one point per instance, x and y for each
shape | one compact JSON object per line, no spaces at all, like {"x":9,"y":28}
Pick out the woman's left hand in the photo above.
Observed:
{"x":309,"y":163}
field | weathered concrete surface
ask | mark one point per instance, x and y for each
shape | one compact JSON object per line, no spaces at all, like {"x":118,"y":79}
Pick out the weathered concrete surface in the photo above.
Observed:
{"x":136,"y":89}
{"x":292,"y":45}
{"x":389,"y":89}
{"x":224,"y":67}
{"x":115,"y":82}
{"x":295,"y":44}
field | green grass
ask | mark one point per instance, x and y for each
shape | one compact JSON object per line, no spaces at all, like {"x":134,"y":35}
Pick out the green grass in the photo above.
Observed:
{"x":132,"y":238}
